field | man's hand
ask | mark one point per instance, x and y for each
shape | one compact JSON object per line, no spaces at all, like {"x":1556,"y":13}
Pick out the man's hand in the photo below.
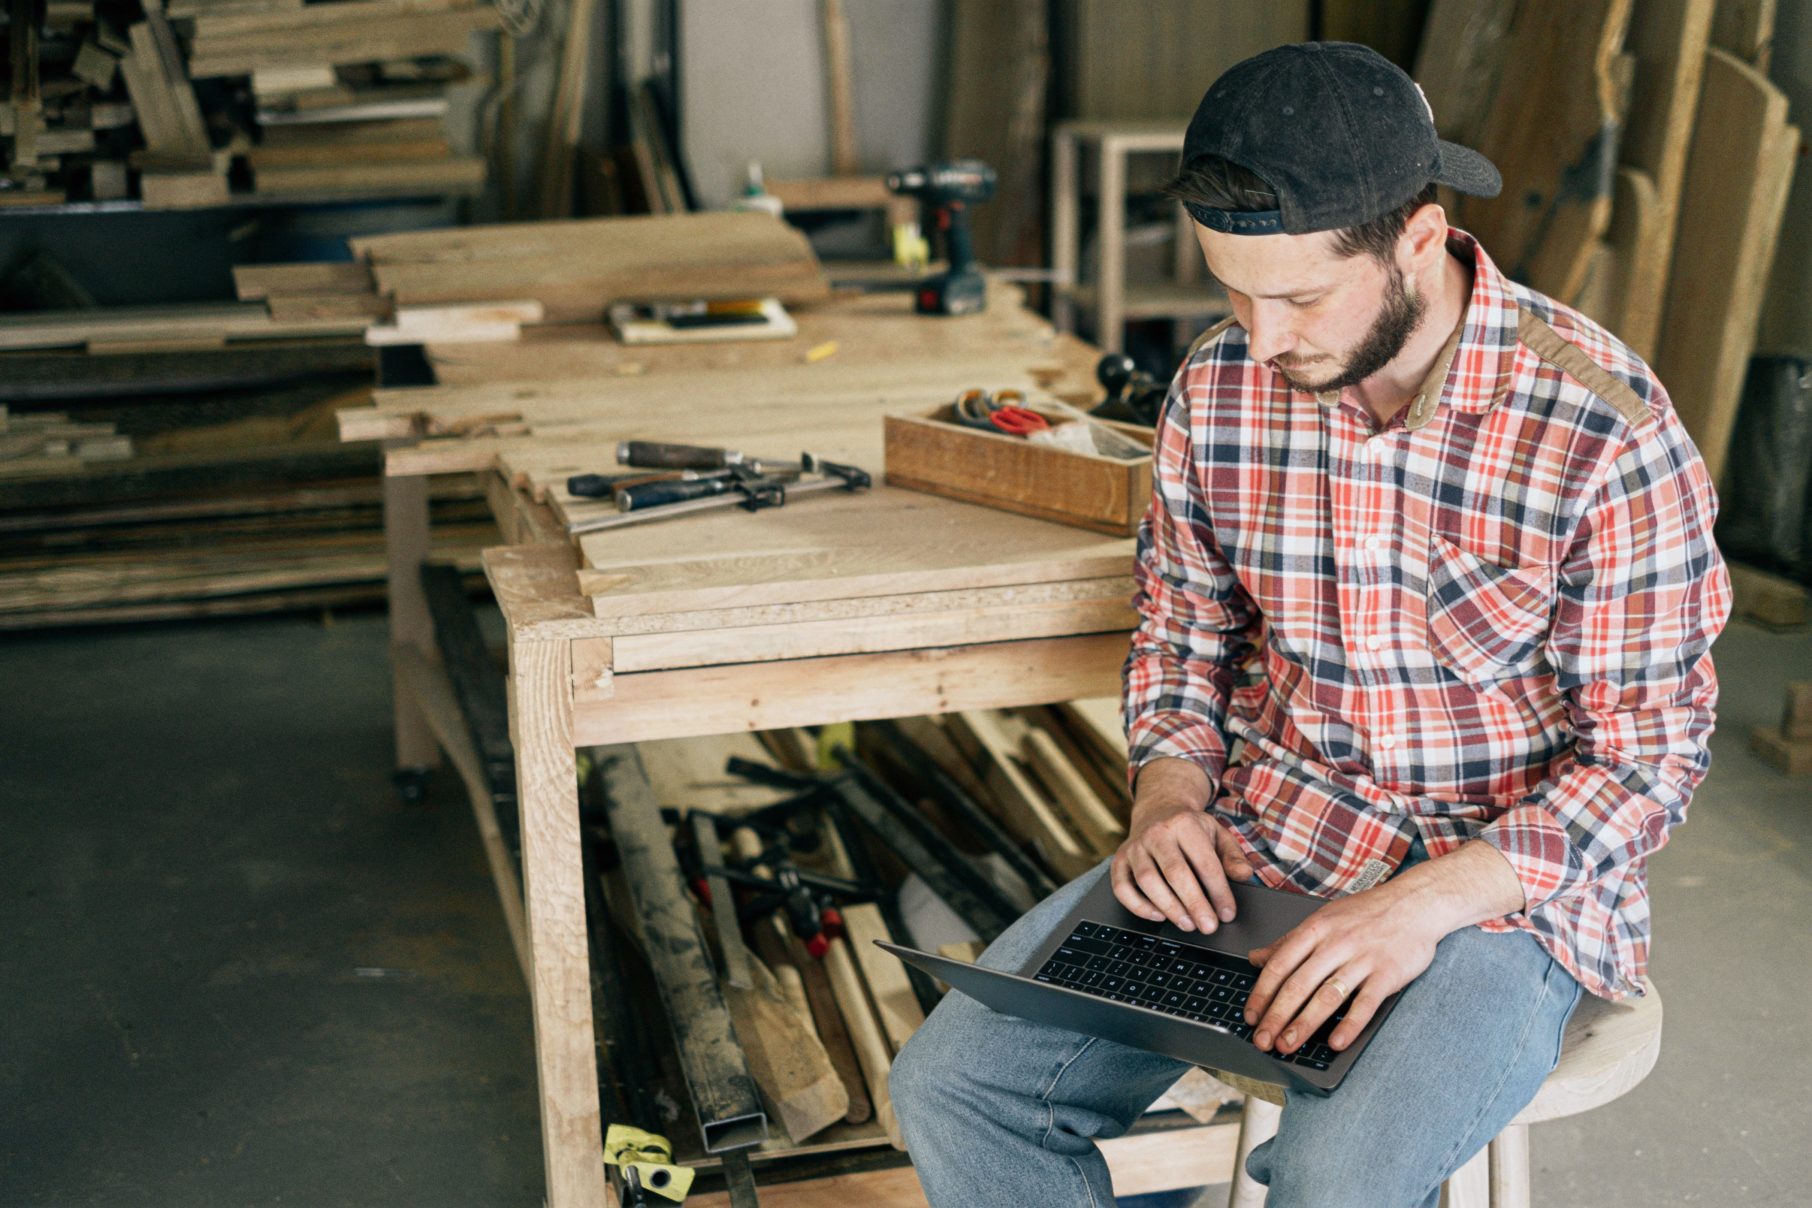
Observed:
{"x":1176,"y":859}
{"x":1371,"y":944}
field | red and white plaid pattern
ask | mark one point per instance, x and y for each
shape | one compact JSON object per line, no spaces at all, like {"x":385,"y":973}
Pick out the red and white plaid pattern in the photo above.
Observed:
{"x":1495,"y":624}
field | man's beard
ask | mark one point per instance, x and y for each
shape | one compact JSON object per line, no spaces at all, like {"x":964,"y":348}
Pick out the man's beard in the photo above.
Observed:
{"x":1396,"y":322}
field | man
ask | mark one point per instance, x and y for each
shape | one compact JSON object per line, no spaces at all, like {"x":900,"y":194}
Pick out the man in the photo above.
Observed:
{"x":1427,"y":588}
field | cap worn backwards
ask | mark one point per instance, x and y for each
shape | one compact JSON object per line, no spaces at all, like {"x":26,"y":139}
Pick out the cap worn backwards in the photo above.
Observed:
{"x":1338,"y":131}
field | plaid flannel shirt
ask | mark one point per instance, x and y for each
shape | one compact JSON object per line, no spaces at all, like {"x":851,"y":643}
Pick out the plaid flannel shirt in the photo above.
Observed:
{"x":1489,"y":619}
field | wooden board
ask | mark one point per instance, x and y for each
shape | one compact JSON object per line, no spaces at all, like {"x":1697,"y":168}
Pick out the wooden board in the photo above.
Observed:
{"x":1557,"y":167}
{"x":1608,"y":293}
{"x":254,"y":282}
{"x":1745,"y":28}
{"x":398,"y":177}
{"x":231,"y":320}
{"x":1735,"y":194}
{"x":1668,"y":38}
{"x":1458,"y":63}
{"x":856,"y":687}
{"x":577,"y":267}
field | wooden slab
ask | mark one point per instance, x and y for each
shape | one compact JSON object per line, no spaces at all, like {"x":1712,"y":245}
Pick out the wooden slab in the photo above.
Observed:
{"x":1733,"y":200}
{"x":578,"y":267}
{"x":1462,"y":52}
{"x":1558,"y":169}
{"x":1668,"y":38}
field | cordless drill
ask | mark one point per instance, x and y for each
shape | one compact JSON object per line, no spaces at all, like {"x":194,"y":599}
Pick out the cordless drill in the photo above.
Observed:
{"x":947,"y":189}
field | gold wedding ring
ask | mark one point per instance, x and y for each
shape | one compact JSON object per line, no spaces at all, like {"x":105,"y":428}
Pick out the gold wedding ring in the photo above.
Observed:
{"x":1339,"y":987}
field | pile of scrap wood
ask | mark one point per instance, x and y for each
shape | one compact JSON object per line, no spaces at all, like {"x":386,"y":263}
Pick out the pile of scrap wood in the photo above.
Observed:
{"x":223,"y":489}
{"x":741,"y":882}
{"x":1646,"y":159}
{"x":203,"y":100}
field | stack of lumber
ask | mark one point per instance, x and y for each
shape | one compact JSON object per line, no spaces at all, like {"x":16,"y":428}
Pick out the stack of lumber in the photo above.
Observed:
{"x":1646,"y":159}
{"x":224,"y":490}
{"x":48,"y":441}
{"x":350,"y":98}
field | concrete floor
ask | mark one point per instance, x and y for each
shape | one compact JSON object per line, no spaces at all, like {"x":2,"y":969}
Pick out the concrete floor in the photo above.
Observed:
{"x":238,"y":971}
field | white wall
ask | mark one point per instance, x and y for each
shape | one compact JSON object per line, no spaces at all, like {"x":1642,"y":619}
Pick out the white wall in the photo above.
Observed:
{"x":752,"y":80}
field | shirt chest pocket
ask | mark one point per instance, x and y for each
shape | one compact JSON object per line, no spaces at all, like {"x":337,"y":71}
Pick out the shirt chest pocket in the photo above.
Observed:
{"x":1485,"y":621}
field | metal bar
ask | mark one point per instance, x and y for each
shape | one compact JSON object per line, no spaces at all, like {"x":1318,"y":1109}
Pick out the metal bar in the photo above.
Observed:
{"x":723,"y":906}
{"x":951,"y":796}
{"x":730,"y":1114}
{"x":946,"y":870}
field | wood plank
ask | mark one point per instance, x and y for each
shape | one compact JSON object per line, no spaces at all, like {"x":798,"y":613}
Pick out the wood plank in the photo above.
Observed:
{"x":1668,"y":38}
{"x":1086,"y":812}
{"x":1735,"y":195}
{"x":1745,"y":28}
{"x":811,"y":639}
{"x":896,"y":1006}
{"x":1461,"y":56}
{"x":786,"y":1059}
{"x":331,"y":154}
{"x":460,"y":173}
{"x":1609,"y":293}
{"x":757,"y":696}
{"x":1559,"y":170}
{"x":1023,"y":807}
{"x":231,"y":320}
{"x":256,"y":282}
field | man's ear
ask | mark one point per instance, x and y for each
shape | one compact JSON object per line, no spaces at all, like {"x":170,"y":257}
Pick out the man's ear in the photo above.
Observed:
{"x":1424,"y":239}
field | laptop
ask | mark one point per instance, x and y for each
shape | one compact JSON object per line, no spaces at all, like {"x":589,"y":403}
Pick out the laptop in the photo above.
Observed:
{"x":1106,"y":972}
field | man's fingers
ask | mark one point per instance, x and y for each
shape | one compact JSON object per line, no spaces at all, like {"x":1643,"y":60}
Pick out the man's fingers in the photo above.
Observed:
{"x":1365,"y":1005}
{"x":1318,"y":1003}
{"x":1280,"y":961}
{"x":1200,"y":851}
{"x":1232,"y":858}
{"x":1185,"y":887}
{"x":1127,"y":890}
{"x":1156,"y":889}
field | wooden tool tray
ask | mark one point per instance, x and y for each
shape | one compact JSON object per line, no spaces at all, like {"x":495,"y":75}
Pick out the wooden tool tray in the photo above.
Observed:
{"x":930,"y":451}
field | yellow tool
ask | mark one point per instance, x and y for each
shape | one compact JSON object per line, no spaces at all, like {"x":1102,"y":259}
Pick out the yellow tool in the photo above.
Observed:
{"x":646,"y":1162}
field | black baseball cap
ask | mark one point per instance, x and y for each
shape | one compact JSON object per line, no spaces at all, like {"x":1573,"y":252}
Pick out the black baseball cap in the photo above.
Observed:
{"x":1338,"y":131}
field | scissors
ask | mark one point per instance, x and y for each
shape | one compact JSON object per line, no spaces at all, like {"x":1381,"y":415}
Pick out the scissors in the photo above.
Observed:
{"x":1003,"y":412}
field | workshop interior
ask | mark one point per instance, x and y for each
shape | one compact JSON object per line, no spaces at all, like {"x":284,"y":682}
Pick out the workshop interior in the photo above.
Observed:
{"x":561,"y":559}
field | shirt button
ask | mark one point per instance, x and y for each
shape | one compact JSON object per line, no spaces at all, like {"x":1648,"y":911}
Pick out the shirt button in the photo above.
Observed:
{"x":1374,"y":641}
{"x":1374,"y":544}
{"x":1387,"y":742}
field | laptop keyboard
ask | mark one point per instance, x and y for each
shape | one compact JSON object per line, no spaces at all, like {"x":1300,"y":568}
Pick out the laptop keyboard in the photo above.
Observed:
{"x":1191,"y":983}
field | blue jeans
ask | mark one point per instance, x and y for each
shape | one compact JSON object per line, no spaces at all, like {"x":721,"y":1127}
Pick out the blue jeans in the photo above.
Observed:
{"x":997,"y":1110}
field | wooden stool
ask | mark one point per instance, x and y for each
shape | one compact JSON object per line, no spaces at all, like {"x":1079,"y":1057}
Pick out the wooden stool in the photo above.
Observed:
{"x":1609,"y":1048}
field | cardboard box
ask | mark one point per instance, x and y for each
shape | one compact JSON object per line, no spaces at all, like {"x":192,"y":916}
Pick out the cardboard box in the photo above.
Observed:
{"x":931,"y":452}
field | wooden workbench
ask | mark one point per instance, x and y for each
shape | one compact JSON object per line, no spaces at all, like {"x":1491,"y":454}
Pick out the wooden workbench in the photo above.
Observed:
{"x":588,"y":669}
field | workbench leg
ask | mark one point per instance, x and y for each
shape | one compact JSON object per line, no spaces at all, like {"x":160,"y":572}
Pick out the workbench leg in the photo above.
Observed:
{"x":547,"y":788}
{"x":405,"y":547}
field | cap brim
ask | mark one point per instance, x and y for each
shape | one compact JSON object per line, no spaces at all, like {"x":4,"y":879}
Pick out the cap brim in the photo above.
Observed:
{"x":1464,"y":169}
